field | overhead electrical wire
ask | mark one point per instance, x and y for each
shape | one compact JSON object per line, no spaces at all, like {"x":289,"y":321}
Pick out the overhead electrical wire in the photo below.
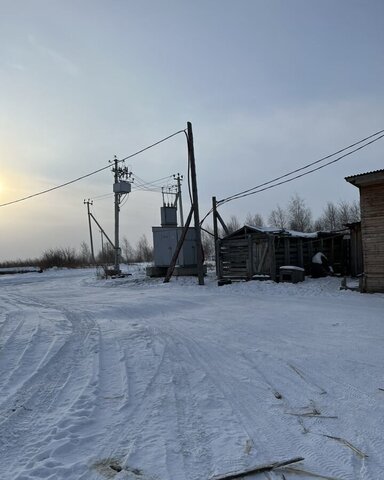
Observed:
{"x":255,"y":189}
{"x":91,"y":173}
{"x":302,"y":174}
{"x":153,"y":186}
{"x":258,"y":189}
{"x":102,"y":197}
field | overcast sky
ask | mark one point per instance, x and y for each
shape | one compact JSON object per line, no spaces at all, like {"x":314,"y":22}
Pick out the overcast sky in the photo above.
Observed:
{"x":269,"y":86}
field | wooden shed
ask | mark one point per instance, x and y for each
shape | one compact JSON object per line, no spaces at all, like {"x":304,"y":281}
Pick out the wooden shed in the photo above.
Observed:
{"x":356,"y":249}
{"x":259,"y":252}
{"x":371,"y":186}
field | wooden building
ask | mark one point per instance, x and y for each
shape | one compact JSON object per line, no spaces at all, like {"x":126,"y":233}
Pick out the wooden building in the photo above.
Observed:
{"x":356,"y":249}
{"x":371,"y":186}
{"x":259,"y":252}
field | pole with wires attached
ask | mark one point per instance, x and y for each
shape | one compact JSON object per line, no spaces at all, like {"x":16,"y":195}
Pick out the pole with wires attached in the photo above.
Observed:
{"x":195,"y":204}
{"x":193,"y":212}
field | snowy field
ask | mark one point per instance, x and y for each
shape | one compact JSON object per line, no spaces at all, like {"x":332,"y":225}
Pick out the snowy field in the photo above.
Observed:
{"x":134,"y":379}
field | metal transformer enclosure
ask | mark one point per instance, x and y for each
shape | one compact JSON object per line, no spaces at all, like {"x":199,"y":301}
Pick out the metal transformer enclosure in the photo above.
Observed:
{"x":122,"y":187}
{"x":168,"y":216}
{"x":165,"y":240}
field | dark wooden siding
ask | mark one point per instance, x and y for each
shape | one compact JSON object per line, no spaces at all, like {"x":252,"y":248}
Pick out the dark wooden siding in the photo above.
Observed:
{"x":247,"y":254}
{"x":372,"y":225}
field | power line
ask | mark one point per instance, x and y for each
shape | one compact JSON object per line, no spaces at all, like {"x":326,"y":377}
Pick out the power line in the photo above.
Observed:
{"x":153,"y":145}
{"x":154,"y":186}
{"x":91,"y":173}
{"x":258,"y":188}
{"x":105,"y":195}
{"x":302,"y":174}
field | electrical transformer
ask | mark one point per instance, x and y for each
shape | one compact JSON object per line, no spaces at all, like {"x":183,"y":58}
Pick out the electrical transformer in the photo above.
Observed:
{"x":122,"y":187}
{"x":166,"y":238}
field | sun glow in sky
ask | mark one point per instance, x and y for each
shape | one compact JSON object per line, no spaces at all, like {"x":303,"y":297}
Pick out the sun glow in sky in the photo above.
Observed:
{"x":269,"y":86}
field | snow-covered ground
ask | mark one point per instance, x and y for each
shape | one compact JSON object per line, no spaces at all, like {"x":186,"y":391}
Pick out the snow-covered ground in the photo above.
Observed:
{"x":135,"y":379}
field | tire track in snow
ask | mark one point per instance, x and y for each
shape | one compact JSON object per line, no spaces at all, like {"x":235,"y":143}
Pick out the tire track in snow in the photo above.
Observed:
{"x":298,"y":393}
{"x":139,"y":413}
{"x":159,"y":416}
{"x":39,"y":396}
{"x":229,"y":397}
{"x":321,"y":458}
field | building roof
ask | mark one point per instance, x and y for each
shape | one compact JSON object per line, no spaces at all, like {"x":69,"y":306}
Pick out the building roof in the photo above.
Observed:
{"x":369,"y":178}
{"x":282,"y":232}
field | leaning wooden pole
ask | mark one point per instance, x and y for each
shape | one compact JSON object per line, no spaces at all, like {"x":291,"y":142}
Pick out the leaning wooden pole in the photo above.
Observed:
{"x":172,"y":266}
{"x":195,"y":204}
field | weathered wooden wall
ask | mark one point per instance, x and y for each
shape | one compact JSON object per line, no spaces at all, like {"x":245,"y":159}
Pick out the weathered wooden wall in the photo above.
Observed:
{"x":356,"y":250}
{"x":257,"y":253}
{"x":372,"y":226}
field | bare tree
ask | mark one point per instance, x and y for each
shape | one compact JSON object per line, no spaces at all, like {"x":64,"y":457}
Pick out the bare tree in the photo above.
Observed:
{"x":85,"y":253}
{"x":144,"y":253}
{"x":335,"y":217}
{"x":355,"y":212}
{"x":348,"y":212}
{"x":208,"y":242}
{"x":278,"y":218}
{"x":106,"y":255}
{"x":233,"y":224}
{"x":59,"y":257}
{"x":127,"y":250}
{"x":330,"y":217}
{"x":299,"y":215}
{"x":255,"y":220}
{"x":319,"y":224}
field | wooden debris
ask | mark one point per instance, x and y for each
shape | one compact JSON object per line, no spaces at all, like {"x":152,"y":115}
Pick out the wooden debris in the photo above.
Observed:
{"x":311,"y":411}
{"x":311,"y":414}
{"x":307,"y":473}
{"x":349,"y":445}
{"x":258,"y":469}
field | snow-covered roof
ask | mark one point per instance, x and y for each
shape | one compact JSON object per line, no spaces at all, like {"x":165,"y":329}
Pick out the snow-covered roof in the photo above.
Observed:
{"x":277,"y":231}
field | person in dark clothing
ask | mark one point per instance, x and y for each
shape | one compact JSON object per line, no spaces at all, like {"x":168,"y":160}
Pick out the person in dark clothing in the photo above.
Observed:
{"x":320,"y":265}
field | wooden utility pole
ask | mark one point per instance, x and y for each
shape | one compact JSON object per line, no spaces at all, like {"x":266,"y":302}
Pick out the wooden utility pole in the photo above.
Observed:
{"x":195,"y":204}
{"x":88,"y":203}
{"x":215,"y":233}
{"x":195,"y":212}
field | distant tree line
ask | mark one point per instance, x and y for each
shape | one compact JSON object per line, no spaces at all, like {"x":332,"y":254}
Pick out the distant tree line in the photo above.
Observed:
{"x":69,"y":257}
{"x":295,"y":216}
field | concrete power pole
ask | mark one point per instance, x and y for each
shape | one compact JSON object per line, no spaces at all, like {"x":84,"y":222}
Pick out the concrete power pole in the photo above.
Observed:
{"x":88,"y":203}
{"x":179,"y":178}
{"x":120,"y":187}
{"x":117,"y":211}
